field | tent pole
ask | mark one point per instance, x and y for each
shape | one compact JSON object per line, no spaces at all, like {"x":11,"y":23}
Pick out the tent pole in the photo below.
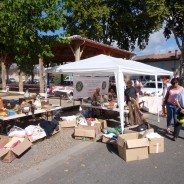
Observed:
{"x":46,"y":75}
{"x":156,"y":84}
{"x":120,"y":92}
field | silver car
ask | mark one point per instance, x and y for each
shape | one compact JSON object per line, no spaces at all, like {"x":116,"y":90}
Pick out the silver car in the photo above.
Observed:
{"x":150,"y":88}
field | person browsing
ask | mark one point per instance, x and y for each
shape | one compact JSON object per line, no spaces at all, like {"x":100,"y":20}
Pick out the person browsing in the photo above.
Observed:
{"x":131,"y":91}
{"x":96,"y":94}
{"x":170,"y":101}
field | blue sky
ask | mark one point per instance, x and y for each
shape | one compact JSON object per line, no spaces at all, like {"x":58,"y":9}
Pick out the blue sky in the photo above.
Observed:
{"x":158,"y":45}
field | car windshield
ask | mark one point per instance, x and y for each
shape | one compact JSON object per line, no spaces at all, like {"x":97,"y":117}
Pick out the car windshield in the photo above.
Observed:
{"x":152,"y":85}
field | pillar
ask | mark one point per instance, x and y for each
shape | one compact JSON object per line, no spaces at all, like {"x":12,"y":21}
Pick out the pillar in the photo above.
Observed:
{"x":41,"y":74}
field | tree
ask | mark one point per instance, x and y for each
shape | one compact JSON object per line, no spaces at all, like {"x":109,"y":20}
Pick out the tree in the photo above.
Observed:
{"x":127,"y":22}
{"x":110,"y":22}
{"x":22,"y":24}
{"x":169,"y":15}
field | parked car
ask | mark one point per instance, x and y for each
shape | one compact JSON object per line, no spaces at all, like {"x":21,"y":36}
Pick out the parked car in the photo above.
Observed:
{"x":150,"y":88}
{"x":62,"y":90}
{"x":36,"y":81}
{"x":11,"y":80}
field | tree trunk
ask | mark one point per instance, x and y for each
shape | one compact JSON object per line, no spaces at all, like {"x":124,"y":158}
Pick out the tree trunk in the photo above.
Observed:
{"x":20,"y":82}
{"x":3,"y":75}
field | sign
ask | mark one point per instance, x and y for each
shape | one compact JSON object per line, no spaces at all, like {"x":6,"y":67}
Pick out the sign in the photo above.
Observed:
{"x":86,"y":86}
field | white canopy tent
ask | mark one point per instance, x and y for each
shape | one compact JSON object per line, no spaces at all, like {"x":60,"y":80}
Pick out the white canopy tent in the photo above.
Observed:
{"x":107,"y":65}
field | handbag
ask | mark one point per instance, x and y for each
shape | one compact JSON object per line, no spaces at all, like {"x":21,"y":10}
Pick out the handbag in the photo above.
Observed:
{"x":180,"y":116}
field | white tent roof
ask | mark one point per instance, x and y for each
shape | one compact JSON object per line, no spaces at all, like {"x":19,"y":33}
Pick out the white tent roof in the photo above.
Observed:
{"x":107,"y":64}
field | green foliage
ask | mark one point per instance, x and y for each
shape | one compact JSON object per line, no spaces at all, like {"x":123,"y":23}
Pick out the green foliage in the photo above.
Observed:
{"x":110,"y":21}
{"x":125,"y":22}
{"x":170,"y":15}
{"x":22,"y":23}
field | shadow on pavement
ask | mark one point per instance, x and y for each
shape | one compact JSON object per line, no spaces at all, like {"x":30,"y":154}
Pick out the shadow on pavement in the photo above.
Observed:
{"x":162,"y":132}
{"x":112,"y":149}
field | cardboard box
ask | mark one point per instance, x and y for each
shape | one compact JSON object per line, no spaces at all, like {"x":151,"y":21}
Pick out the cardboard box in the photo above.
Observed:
{"x":108,"y":140}
{"x":132,"y":147}
{"x":8,"y":153}
{"x":156,"y":145}
{"x":67,"y":124}
{"x":85,"y":131}
{"x":103,"y":123}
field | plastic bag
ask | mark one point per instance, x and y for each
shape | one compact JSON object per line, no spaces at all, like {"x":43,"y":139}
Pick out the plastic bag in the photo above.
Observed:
{"x":16,"y":131}
{"x":30,"y":129}
{"x":38,"y":133}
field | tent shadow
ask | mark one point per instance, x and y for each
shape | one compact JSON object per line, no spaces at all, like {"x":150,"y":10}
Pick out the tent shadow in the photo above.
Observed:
{"x":112,"y":149}
{"x":162,"y":132}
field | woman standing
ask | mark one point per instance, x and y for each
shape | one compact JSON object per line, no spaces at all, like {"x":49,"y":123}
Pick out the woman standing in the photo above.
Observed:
{"x":171,"y":101}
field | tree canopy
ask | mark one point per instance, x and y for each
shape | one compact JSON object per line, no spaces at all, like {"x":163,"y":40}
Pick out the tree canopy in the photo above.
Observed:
{"x":22,"y":24}
{"x":111,"y":22}
{"x":169,"y":15}
{"x":127,"y":22}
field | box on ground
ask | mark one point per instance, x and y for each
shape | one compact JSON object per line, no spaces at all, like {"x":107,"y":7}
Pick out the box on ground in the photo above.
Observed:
{"x":41,"y":138}
{"x":67,"y":124}
{"x":156,"y":145}
{"x":108,"y":140}
{"x":132,"y":147}
{"x":85,"y":131}
{"x":103,"y":123}
{"x":11,"y":148}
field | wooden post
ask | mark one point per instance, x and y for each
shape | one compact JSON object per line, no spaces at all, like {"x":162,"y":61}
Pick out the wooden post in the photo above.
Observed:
{"x":77,"y":52}
{"x":41,"y":69}
{"x":20,"y":82}
{"x":3,"y":75}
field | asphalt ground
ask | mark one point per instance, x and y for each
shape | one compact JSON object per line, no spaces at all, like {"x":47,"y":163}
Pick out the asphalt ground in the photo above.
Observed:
{"x":96,"y":162}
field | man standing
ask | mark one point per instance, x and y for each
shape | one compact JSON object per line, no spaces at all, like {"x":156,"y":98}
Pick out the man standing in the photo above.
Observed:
{"x":166,"y":84}
{"x":132,"y":92}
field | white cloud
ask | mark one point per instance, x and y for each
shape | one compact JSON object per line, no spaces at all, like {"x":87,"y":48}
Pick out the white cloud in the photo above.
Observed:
{"x":157,"y":45}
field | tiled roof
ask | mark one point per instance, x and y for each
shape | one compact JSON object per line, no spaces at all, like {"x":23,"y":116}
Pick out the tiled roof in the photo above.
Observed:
{"x":100,"y":44}
{"x":158,"y":57}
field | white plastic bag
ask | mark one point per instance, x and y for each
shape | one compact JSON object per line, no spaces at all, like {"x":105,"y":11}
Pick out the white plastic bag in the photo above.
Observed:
{"x":29,"y":129}
{"x":38,"y":133}
{"x":16,"y":131}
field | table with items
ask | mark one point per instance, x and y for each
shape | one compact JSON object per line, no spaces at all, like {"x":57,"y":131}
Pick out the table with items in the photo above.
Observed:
{"x":151,"y":104}
{"x":106,"y":110}
{"x":7,"y":115}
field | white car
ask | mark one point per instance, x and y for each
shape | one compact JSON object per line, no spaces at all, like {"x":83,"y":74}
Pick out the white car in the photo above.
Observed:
{"x":62,"y":90}
{"x":150,"y":88}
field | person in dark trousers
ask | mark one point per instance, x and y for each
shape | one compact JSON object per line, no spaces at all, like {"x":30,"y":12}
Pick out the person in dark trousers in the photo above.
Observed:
{"x":180,"y":115}
{"x":131,"y":91}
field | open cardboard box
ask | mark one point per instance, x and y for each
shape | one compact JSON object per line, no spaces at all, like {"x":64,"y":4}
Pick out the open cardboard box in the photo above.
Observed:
{"x":103,"y":123}
{"x":8,"y":152}
{"x":108,"y":140}
{"x":132,"y":146}
{"x":68,"y":124}
{"x":85,"y":131}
